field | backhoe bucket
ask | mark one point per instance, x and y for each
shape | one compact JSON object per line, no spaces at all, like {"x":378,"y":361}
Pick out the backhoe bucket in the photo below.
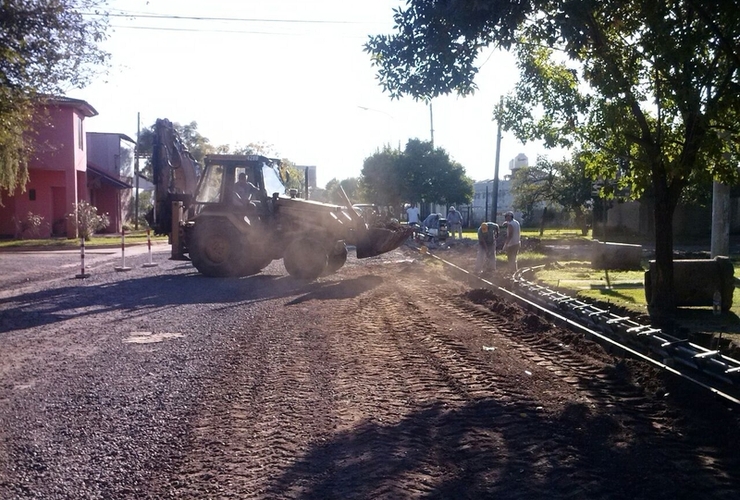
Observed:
{"x":379,"y":240}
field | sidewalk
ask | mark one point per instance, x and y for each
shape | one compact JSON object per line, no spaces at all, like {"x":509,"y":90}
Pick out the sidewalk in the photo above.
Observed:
{"x":26,"y":264}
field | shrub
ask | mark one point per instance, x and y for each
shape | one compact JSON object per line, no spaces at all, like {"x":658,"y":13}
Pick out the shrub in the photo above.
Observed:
{"x":30,"y":226}
{"x":87,"y":220}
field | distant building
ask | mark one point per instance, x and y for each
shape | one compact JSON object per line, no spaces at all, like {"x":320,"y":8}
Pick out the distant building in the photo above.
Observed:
{"x":110,"y":175}
{"x":518,"y":162}
{"x":481,"y":208}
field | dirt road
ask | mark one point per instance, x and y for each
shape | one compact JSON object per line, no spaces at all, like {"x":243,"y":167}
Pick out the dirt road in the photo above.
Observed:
{"x":389,"y":379}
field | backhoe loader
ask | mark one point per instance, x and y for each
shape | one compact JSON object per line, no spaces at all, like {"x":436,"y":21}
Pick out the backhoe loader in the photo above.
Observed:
{"x":224,"y":233}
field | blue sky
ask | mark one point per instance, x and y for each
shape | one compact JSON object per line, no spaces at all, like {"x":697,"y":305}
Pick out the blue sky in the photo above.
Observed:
{"x":288,"y":73}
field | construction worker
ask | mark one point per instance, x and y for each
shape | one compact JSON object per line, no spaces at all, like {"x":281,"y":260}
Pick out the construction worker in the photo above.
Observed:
{"x":454,"y":219}
{"x":513,"y":240}
{"x":486,"y":258}
{"x":244,"y":191}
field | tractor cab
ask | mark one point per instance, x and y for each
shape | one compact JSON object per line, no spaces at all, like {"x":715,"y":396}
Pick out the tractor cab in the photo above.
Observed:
{"x":238,"y":181}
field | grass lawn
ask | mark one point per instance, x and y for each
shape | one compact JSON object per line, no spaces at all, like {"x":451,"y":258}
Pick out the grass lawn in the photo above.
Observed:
{"x":97,"y":240}
{"x":548,"y":234}
{"x":625,"y":289}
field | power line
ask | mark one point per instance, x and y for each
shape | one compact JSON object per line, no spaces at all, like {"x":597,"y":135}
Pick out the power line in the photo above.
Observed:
{"x":200,"y":30}
{"x":229,"y":19}
{"x":213,"y":30}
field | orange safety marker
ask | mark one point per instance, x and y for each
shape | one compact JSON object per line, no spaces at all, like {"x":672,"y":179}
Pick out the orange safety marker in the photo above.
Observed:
{"x":123,"y":253}
{"x":82,"y":260}
{"x":149,"y":245}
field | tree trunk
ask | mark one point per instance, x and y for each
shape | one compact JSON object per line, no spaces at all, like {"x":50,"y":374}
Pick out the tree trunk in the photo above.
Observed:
{"x":581,"y":220}
{"x":542,"y":222}
{"x":662,"y":306}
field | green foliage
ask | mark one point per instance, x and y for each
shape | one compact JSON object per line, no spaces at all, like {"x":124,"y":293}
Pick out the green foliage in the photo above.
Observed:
{"x":15,"y":116}
{"x":648,"y":89}
{"x":533,"y":185}
{"x":145,"y":204}
{"x":29,"y":226}
{"x":352,"y":187}
{"x":419,"y":173}
{"x":295,"y":177}
{"x":563,"y":183}
{"x":46,"y":47}
{"x":86,"y":219}
{"x":381,"y":177}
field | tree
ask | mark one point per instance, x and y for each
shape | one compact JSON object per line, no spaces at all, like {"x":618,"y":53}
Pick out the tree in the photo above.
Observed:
{"x":534,"y":185}
{"x":296,"y":178}
{"x":653,"y":84}
{"x":573,"y":189}
{"x":145,"y":203}
{"x":352,"y":187}
{"x":418,"y":173}
{"x":381,"y":178}
{"x":46,"y":47}
{"x":563,"y":183}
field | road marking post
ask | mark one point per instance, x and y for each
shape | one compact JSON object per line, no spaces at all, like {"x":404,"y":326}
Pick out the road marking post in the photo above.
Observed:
{"x":123,"y":253}
{"x":82,"y":260}
{"x":149,"y":245}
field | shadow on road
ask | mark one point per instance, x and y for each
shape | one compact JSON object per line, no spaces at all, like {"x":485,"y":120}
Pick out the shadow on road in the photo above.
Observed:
{"x":509,"y":450}
{"x":339,"y":289}
{"x":146,"y":294}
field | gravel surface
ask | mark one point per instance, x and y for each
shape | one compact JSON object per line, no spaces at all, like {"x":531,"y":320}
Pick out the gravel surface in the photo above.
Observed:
{"x":389,"y":379}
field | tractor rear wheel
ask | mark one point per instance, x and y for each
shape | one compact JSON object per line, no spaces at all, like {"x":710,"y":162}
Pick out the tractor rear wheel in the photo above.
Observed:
{"x":305,"y":258}
{"x":216,"y":248}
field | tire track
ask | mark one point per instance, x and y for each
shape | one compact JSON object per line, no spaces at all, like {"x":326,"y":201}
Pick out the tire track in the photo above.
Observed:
{"x":391,"y":395}
{"x":435,"y":414}
{"x":267,"y":406}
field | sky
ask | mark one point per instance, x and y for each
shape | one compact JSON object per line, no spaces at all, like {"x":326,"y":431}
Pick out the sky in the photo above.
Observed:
{"x":291,"y":74}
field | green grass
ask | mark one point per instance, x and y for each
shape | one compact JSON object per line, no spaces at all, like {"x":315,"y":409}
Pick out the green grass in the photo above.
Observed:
{"x":549,"y":234}
{"x":556,"y":234}
{"x":625,"y":289}
{"x":132,"y":237}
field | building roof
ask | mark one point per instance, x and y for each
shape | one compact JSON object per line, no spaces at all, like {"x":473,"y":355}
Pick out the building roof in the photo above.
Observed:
{"x":83,"y":106}
{"x":108,"y":179}
{"x":121,"y":136}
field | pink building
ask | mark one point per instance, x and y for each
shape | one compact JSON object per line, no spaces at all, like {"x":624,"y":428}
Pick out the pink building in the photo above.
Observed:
{"x":61,"y":174}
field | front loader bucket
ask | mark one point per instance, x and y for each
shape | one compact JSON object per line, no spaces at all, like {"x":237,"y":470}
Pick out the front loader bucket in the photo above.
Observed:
{"x":378,"y":240}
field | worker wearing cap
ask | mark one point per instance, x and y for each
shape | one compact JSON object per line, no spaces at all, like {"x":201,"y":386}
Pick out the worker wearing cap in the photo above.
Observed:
{"x":454,"y":219}
{"x":512,"y":243}
{"x":486,"y":258}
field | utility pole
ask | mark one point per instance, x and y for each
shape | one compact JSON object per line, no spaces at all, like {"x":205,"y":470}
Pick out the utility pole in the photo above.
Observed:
{"x":495,"y":174}
{"x":136,"y":172}
{"x":431,"y":123}
{"x":485,"y":212}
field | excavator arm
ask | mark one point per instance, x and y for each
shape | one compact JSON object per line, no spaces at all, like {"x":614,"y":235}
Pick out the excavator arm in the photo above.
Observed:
{"x":175,"y":173}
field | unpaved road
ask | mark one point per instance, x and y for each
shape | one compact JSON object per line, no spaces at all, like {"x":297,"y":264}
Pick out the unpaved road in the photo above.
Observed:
{"x":390,"y":379}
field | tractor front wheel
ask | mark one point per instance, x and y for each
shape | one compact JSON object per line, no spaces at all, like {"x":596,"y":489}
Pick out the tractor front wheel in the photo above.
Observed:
{"x":305,"y":258}
{"x":336,"y":260}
